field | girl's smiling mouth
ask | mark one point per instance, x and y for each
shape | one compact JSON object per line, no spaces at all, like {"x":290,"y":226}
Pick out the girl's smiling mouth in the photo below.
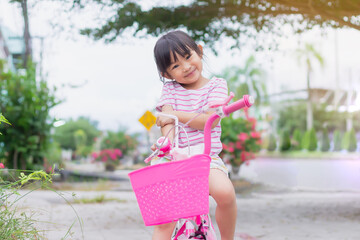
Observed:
{"x":191,"y":73}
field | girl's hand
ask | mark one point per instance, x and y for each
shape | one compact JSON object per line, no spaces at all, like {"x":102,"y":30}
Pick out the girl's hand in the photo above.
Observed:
{"x":153,"y":147}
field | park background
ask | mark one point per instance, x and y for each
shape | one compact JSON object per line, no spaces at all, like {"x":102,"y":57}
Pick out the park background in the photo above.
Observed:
{"x":74,"y":98}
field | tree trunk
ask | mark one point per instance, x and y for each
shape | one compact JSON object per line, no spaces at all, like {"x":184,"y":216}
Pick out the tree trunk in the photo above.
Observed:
{"x":309,"y":112}
{"x":27,"y":37}
{"x":15,"y":160}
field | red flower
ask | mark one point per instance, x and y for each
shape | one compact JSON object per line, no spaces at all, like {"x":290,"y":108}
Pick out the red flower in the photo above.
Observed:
{"x":2,"y":165}
{"x":243,"y":137}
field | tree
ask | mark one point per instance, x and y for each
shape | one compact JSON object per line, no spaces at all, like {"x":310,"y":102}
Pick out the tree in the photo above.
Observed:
{"x":119,"y":140}
{"x":64,"y":134}
{"x":325,"y":142}
{"x":27,"y":37}
{"x":209,"y":20}
{"x":26,"y":103}
{"x":337,"y":141}
{"x":308,"y":55}
{"x":246,"y":80}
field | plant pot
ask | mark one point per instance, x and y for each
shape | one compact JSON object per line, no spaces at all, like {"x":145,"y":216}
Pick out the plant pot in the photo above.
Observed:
{"x":110,"y":167}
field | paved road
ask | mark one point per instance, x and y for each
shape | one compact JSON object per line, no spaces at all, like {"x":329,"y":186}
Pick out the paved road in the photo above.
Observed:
{"x":263,"y":213}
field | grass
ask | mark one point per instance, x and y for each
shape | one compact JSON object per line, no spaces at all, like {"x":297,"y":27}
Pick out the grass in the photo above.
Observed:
{"x":98,"y":199}
{"x":15,"y":224}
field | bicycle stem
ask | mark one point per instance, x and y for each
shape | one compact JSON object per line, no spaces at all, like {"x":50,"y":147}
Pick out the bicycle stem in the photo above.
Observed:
{"x":246,"y":101}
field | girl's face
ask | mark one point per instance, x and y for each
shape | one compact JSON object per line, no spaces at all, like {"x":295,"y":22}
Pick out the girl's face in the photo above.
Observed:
{"x":186,"y":70}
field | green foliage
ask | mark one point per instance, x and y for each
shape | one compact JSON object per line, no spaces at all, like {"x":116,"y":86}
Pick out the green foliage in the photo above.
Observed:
{"x":208,"y":21}
{"x":64,"y":134}
{"x":248,"y":79}
{"x":349,"y":141}
{"x":26,"y":103}
{"x":285,"y":143}
{"x":296,"y":140}
{"x":119,"y":140}
{"x":337,"y":141}
{"x":293,"y":117}
{"x":239,"y":138}
{"x":272,"y":143}
{"x":3,"y":120}
{"x":309,"y":141}
{"x":325,"y":141}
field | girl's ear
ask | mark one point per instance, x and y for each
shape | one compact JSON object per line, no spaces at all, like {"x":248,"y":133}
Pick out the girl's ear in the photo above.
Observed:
{"x":201,"y":50}
{"x":166,"y":75}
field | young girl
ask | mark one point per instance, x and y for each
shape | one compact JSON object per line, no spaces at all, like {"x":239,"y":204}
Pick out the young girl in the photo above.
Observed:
{"x":179,"y":59}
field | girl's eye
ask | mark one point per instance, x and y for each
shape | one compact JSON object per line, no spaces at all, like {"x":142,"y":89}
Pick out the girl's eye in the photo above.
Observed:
{"x":175,"y":66}
{"x":188,"y":56}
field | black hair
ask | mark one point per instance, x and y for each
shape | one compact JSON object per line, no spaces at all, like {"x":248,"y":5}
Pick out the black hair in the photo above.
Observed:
{"x":173,"y":42}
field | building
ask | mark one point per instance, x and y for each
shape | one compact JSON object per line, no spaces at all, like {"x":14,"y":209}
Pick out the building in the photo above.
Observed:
{"x":12,"y":48}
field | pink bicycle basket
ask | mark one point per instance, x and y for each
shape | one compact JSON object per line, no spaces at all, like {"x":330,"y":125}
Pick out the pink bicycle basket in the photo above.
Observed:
{"x":169,"y":191}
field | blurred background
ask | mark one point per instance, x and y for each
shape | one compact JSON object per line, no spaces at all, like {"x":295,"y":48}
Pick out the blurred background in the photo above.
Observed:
{"x":77,"y":78}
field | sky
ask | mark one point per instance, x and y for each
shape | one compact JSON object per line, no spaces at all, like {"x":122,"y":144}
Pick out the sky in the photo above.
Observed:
{"x":118,"y":82}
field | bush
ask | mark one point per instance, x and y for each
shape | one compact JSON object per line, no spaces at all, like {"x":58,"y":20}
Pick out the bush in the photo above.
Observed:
{"x":272,"y":143}
{"x":285,"y":143}
{"x":337,"y":141}
{"x":296,"y":140}
{"x":309,"y":141}
{"x":240,"y":139}
{"x":325,"y":142}
{"x":349,"y":141}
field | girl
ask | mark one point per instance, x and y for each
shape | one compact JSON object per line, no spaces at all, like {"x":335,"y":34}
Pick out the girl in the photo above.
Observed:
{"x":179,"y":59}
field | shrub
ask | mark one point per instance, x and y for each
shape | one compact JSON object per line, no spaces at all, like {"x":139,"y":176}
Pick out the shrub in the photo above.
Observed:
{"x":325,"y":142}
{"x":285,"y":143}
{"x":296,"y":140}
{"x":337,"y":141}
{"x":309,"y":141}
{"x":272,"y":143}
{"x":240,"y":139}
{"x":349,"y":141}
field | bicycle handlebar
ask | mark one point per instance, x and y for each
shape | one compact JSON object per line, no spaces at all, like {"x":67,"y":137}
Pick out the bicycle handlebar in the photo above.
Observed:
{"x":246,"y":101}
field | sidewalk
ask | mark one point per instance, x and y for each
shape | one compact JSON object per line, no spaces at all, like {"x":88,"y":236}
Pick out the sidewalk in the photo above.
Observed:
{"x":263,"y":213}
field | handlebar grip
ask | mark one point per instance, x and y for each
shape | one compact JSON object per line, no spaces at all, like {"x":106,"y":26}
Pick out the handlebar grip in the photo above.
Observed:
{"x":246,"y":101}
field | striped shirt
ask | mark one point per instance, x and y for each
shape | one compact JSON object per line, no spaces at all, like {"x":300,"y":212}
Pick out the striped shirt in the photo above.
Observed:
{"x":194,"y":100}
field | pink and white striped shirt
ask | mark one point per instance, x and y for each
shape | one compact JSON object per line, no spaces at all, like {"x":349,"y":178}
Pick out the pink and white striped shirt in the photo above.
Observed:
{"x":185,"y":100}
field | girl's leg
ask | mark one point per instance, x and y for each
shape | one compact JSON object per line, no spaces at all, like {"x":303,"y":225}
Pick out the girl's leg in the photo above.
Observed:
{"x":222,"y":190}
{"x":163,"y":231}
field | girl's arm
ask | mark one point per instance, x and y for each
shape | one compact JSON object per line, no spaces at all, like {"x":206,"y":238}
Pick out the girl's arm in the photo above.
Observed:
{"x":197,"y":123}
{"x":166,"y":123}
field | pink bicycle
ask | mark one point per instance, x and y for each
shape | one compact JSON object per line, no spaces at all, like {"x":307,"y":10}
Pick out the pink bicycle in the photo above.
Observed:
{"x":179,"y":190}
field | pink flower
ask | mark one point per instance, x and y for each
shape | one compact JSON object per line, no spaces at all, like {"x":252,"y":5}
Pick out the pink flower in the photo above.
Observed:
{"x":253,"y":123}
{"x":94,"y":155}
{"x":2,"y":165}
{"x":255,"y":134}
{"x":243,"y":137}
{"x":225,"y":147}
{"x":118,"y":152}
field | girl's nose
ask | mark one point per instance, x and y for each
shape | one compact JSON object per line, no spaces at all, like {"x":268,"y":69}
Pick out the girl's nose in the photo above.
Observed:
{"x":186,"y":67}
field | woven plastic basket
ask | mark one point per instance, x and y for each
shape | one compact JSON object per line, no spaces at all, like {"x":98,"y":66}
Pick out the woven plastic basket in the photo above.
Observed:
{"x":173,"y":190}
